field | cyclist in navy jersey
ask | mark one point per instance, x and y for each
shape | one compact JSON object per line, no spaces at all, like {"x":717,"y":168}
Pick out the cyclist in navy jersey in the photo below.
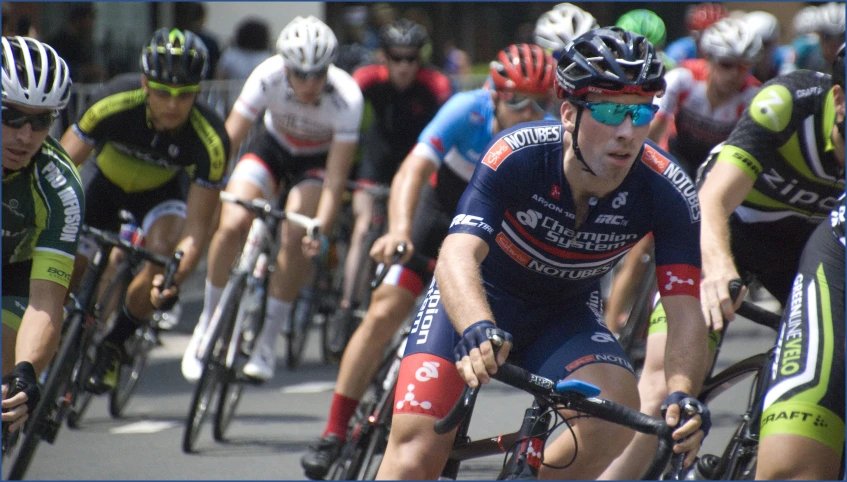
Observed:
{"x":401,"y":97}
{"x":553,"y":206}
{"x":446,"y":154}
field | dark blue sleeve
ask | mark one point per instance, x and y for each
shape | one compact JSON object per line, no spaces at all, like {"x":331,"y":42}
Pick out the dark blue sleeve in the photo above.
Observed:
{"x":490,"y":192}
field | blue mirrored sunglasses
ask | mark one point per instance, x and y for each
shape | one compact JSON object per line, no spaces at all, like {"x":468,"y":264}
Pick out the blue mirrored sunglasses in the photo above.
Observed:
{"x":614,"y":114}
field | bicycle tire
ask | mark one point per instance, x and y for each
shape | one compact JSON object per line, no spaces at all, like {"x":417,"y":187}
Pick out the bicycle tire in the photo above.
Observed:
{"x":231,"y":389}
{"x":210,"y":378}
{"x":58,"y":379}
{"x":80,"y":398}
{"x":130,"y":374}
{"x":298,"y":336}
{"x":377,"y":443}
{"x":362,"y":439}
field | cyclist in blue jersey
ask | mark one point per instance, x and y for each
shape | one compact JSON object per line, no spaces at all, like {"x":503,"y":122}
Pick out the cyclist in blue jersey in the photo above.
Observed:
{"x":424,"y":194}
{"x":552,"y":207}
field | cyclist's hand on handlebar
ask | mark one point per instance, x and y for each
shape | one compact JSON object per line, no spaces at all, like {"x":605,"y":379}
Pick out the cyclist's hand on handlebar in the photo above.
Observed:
{"x":385,"y":247}
{"x":315,"y":247}
{"x":163,"y":300}
{"x":475,"y":354}
{"x":715,"y":300}
{"x":25,"y":397}
{"x":696,"y":423}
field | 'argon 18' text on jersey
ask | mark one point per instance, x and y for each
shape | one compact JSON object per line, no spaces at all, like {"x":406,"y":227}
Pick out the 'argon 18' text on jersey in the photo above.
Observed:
{"x":520,"y":203}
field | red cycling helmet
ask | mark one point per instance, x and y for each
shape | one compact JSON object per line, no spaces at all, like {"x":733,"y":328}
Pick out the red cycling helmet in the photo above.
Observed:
{"x":703,"y":15}
{"x":525,"y":68}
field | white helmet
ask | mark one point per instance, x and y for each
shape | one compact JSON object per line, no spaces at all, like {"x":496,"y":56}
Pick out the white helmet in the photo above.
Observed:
{"x":34,"y":75}
{"x":764,"y":24}
{"x":731,"y":37}
{"x":831,"y":19}
{"x":307,"y":44}
{"x":556,"y":28}
{"x":805,"y":21}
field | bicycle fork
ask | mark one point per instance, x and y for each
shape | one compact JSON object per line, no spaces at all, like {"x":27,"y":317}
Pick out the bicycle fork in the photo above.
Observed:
{"x":527,"y":454}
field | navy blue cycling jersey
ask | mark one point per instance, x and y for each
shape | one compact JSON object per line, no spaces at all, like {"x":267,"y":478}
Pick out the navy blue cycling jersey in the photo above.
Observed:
{"x":519,"y":202}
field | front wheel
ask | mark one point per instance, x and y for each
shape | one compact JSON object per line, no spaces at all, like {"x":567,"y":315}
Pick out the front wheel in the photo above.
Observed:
{"x":214,"y":360}
{"x":130,"y":374}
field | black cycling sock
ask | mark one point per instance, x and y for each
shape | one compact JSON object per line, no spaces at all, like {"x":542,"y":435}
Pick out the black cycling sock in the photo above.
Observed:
{"x":125,"y":325}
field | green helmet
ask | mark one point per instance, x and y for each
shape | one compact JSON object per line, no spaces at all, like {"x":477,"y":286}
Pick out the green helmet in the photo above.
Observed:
{"x":645,"y":23}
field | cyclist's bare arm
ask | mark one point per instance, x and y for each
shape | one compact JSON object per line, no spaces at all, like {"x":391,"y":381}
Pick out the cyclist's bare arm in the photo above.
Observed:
{"x":405,"y":192}
{"x":237,"y":126}
{"x":38,"y":336}
{"x":201,"y":206}
{"x":460,"y":283}
{"x":77,"y":149}
{"x":686,"y":352}
{"x":658,"y":127}
{"x":724,"y":189}
{"x":338,"y":162}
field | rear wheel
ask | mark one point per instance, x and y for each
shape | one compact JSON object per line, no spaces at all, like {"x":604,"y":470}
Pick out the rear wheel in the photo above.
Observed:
{"x":251,"y":315}
{"x":214,"y":368}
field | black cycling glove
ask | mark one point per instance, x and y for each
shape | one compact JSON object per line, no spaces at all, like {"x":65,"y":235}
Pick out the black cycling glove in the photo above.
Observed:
{"x":689,"y":406}
{"x":22,"y":379}
{"x":477,"y":334}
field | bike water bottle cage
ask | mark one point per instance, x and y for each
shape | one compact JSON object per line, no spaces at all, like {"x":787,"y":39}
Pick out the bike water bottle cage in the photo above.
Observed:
{"x":477,"y":334}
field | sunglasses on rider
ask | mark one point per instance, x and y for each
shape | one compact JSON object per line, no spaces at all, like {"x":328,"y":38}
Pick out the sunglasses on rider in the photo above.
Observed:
{"x":302,"y":75}
{"x":412,"y":58}
{"x":16,"y":119}
{"x":163,"y":90}
{"x":519,"y":102}
{"x":613,"y":114}
{"x":733,"y":65}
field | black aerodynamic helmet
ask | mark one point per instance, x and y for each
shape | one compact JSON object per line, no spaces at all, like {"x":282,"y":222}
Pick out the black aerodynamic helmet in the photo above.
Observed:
{"x":609,"y":60}
{"x":176,"y":57}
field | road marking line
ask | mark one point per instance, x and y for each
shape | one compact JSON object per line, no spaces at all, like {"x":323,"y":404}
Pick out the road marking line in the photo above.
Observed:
{"x":147,"y":426}
{"x":310,"y":387}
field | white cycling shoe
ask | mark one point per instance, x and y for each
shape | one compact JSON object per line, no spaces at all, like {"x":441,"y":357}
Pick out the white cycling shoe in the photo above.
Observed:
{"x":262,"y":362}
{"x":192,"y":366}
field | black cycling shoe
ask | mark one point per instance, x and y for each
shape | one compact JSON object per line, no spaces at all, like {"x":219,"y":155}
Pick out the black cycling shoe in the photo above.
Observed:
{"x":319,"y":457}
{"x":104,"y":374}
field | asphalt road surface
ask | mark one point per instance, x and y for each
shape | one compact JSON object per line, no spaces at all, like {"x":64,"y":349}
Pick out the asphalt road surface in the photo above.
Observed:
{"x":275,"y":422}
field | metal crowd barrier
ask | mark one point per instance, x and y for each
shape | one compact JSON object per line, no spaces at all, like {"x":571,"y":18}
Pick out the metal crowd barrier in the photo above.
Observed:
{"x":220,"y":95}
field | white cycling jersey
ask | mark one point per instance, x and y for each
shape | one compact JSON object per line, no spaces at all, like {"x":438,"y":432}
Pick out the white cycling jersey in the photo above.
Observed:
{"x":302,"y":129}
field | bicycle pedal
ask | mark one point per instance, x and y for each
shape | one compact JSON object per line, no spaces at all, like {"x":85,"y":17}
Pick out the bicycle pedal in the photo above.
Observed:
{"x":47,"y":430}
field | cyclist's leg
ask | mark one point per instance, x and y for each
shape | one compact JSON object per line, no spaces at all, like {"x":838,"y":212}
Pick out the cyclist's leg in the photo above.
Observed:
{"x":625,"y":284}
{"x":802,"y":427}
{"x":427,"y":387}
{"x":652,"y":389}
{"x":362,"y":211}
{"x":252,"y":178}
{"x":293,"y":267}
{"x":568,"y":341}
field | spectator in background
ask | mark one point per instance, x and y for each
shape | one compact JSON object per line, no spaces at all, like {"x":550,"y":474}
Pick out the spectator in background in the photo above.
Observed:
{"x":192,"y":16}
{"x":251,"y":48}
{"x":8,"y":20}
{"x":75,"y":43}
{"x":698,"y":18}
{"x":382,"y":14}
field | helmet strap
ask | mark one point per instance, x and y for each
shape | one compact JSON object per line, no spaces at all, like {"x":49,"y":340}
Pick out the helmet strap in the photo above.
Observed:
{"x":575,"y":146}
